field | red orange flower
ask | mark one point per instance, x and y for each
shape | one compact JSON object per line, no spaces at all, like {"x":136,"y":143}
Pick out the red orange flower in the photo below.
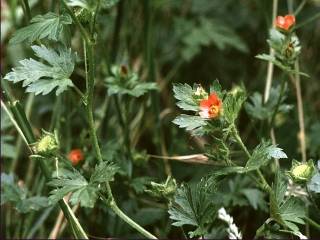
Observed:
{"x":286,"y":22}
{"x":75,"y":156}
{"x":211,"y":107}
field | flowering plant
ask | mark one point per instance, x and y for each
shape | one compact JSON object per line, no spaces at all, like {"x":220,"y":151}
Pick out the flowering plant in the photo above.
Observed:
{"x":111,"y":126}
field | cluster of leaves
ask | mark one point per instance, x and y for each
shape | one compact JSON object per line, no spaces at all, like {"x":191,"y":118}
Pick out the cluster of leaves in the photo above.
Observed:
{"x":123,"y":81}
{"x":40,"y":78}
{"x":286,"y":47}
{"x":192,"y":205}
{"x":11,"y":192}
{"x":50,"y":25}
{"x":286,"y":211}
{"x":83,"y":191}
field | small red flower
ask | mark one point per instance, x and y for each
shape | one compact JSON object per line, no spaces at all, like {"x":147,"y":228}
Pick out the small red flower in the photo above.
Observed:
{"x":75,"y":156}
{"x":211,"y":107}
{"x":286,"y":22}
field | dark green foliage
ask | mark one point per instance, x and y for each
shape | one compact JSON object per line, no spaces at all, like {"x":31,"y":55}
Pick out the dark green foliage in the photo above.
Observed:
{"x":260,"y":110}
{"x":18,"y":196}
{"x":206,"y":32}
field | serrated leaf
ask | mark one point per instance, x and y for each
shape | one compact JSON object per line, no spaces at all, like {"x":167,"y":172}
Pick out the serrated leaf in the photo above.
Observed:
{"x":285,"y":211}
{"x":49,"y":26}
{"x":73,"y":182}
{"x":192,"y":206}
{"x":264,"y":152}
{"x":42,"y":78}
{"x":184,"y":93}
{"x":104,"y":172}
{"x":276,"y":152}
{"x":232,"y":104}
{"x":293,"y":210}
{"x":189,"y":122}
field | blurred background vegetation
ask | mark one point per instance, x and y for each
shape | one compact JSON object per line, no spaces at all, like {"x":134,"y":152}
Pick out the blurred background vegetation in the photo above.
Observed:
{"x":164,"y":41}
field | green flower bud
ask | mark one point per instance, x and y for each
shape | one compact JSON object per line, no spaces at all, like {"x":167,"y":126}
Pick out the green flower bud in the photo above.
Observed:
{"x":163,"y":190}
{"x":47,"y":144}
{"x":302,"y":172}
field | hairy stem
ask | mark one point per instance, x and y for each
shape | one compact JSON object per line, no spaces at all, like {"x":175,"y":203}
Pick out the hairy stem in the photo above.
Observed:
{"x":90,"y":80}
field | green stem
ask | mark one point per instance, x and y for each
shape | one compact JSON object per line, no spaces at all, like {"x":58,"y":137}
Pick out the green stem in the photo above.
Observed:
{"x":26,"y":9}
{"x":23,"y":126}
{"x":313,"y":223}
{"x":112,"y":204}
{"x":236,"y":135}
{"x":89,"y":109}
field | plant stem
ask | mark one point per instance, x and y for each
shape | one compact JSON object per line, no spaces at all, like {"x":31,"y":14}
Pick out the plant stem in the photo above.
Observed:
{"x":270,"y":74}
{"x":112,"y":204}
{"x":26,"y":9}
{"x":313,"y":223}
{"x":265,"y":184}
{"x":270,"y":64}
{"x":24,"y":128}
{"x":302,"y":135}
{"x":90,"y":79}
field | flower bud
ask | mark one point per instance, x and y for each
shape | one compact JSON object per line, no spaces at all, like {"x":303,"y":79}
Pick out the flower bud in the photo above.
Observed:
{"x":47,"y":144}
{"x":302,"y":172}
